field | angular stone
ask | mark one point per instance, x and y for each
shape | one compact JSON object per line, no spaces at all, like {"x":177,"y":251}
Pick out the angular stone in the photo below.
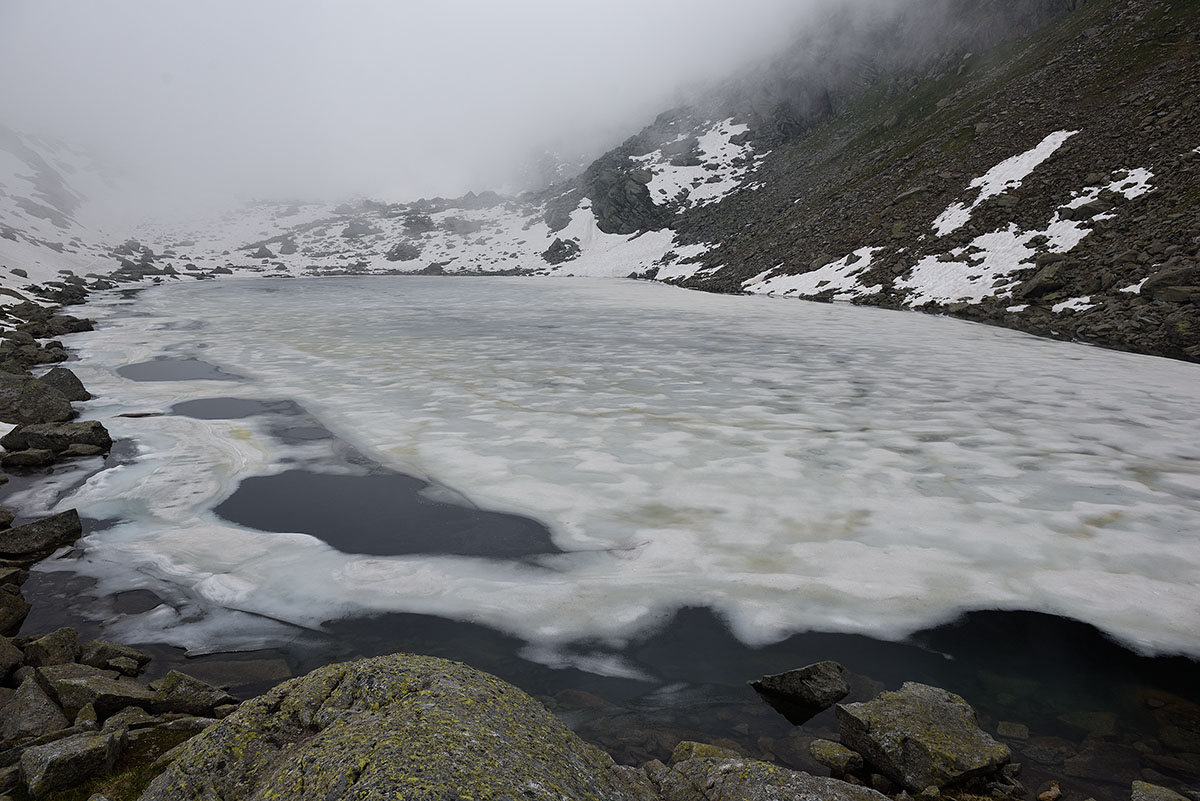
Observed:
{"x":27,"y":400}
{"x":799,"y":694}
{"x":76,"y":686}
{"x":1013,"y":731}
{"x":58,"y":437}
{"x":13,"y":575}
{"x":57,"y":648}
{"x":1144,"y":791}
{"x":689,"y":749}
{"x":1101,"y":761}
{"x":11,"y":658}
{"x":42,"y":536}
{"x":399,"y":726}
{"x":13,"y":609}
{"x":6,"y":518}
{"x":921,"y":736}
{"x":77,"y":450}
{"x":749,"y":780}
{"x":179,"y":692}
{"x":113,"y":656}
{"x":835,"y":756}
{"x":131,"y":717}
{"x":69,"y":762}
{"x":28,"y":459}
{"x":67,"y":383}
{"x":30,"y":713}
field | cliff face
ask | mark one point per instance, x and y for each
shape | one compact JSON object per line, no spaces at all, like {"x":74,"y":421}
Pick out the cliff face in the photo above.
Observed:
{"x":1047,"y":184}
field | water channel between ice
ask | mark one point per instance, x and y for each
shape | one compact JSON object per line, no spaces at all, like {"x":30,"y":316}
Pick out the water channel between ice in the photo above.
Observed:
{"x":793,"y":466}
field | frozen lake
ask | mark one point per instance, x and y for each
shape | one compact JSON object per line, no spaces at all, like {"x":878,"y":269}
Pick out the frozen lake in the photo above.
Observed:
{"x":793,"y":466}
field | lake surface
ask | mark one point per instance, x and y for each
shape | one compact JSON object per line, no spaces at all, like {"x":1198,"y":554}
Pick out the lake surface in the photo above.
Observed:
{"x":641,"y":455}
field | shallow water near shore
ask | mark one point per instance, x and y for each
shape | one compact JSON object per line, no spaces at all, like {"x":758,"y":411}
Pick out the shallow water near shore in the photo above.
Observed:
{"x":694,"y":482}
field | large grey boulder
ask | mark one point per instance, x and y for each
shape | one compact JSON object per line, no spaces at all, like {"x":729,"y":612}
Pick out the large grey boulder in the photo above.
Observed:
{"x":27,"y":400}
{"x":398,"y":726}
{"x":57,"y":437}
{"x":799,"y":694}
{"x":749,"y":780}
{"x":179,"y":692}
{"x":57,"y":648}
{"x":77,"y":686}
{"x":66,"y":382}
{"x":1144,"y":791}
{"x":69,"y":762}
{"x":921,"y":736}
{"x":41,"y":536}
{"x":113,"y":656}
{"x":30,"y":714}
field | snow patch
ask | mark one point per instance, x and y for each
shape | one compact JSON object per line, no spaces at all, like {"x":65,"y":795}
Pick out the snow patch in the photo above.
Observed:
{"x":1074,"y":304}
{"x":841,"y":276}
{"x":723,"y":166}
{"x":1006,"y":175}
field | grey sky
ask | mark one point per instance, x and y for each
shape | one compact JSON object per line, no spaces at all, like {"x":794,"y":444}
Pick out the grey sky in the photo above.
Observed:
{"x":406,"y":97}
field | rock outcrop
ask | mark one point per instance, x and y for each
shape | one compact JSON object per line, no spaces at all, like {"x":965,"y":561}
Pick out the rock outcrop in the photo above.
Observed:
{"x":799,"y":694}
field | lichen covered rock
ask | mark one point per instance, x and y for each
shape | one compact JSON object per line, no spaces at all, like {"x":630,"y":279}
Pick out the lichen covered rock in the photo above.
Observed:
{"x":398,"y":726}
{"x":750,"y":780}
{"x":921,"y":736}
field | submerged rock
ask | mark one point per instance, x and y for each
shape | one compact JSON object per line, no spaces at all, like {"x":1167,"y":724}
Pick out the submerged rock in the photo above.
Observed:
{"x":921,"y":736}
{"x":394,"y":726}
{"x":799,"y":694}
{"x":1144,"y":791}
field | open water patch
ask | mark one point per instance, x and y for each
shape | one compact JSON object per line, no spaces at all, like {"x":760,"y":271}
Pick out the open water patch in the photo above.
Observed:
{"x":174,"y":369}
{"x":381,"y":514}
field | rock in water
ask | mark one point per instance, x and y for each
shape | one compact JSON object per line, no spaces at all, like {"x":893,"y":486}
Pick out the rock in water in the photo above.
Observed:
{"x":799,"y":694}
{"x":66,"y":382}
{"x":27,"y":400}
{"x":57,"y":437}
{"x":398,"y":726}
{"x":42,"y":536}
{"x":1144,"y":791}
{"x":921,"y":736}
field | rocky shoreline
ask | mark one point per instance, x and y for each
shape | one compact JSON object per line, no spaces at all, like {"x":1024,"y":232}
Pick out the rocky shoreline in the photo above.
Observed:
{"x":76,"y":715}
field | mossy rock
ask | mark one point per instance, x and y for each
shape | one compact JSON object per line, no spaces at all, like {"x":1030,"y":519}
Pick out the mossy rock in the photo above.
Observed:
{"x":398,"y":726}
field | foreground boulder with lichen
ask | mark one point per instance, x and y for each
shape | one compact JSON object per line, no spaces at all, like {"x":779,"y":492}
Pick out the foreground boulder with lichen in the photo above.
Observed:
{"x":399,"y":726}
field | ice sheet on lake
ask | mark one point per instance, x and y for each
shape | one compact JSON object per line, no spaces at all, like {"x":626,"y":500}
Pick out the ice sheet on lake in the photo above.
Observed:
{"x":795,"y":466}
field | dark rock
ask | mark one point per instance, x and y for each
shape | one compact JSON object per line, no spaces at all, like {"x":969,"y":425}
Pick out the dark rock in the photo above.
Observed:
{"x":179,"y":692}
{"x":1102,"y":761}
{"x":394,"y":726}
{"x":57,"y":648}
{"x":1144,"y":791}
{"x":799,"y":694}
{"x":749,"y":780}
{"x":263,"y":252}
{"x":42,"y":536}
{"x":287,"y":247}
{"x":74,"y":451}
{"x":358,"y":228}
{"x":1048,"y":750}
{"x":835,"y":756}
{"x":6,"y":518}
{"x":103,"y":654}
{"x":561,"y":251}
{"x":131,"y":718}
{"x":27,"y":400}
{"x":66,"y":382}
{"x":1048,"y":279}
{"x":31,"y":713}
{"x":921,"y":736}
{"x":689,"y":749}
{"x":76,"y":686}
{"x":69,"y":762}
{"x":58,"y":437}
{"x":13,"y":609}
{"x":402,"y":251}
{"x":28,"y":459}
{"x":13,"y":575}
{"x":1174,"y":285}
{"x":11,"y":658}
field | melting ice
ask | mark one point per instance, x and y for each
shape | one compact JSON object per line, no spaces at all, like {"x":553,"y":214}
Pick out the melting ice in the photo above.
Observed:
{"x":794,"y":466}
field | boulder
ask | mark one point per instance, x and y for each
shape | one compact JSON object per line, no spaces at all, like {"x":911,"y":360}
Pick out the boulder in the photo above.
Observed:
{"x":179,"y":692}
{"x":57,"y":648}
{"x":561,"y":250}
{"x":11,"y":658}
{"x":28,"y":400}
{"x":749,"y":780}
{"x":1046,"y":280}
{"x":76,"y":686}
{"x":66,"y":382}
{"x":30,"y":713}
{"x":57,"y":437}
{"x":69,"y":762}
{"x":41,"y":536}
{"x":13,"y":609}
{"x":1144,"y":791}
{"x":799,"y":694}
{"x":921,"y":736}
{"x":28,"y":459}
{"x":835,"y":756}
{"x":113,"y":656}
{"x":398,"y":726}
{"x":6,"y":519}
{"x":402,"y":251}
{"x":689,"y":749}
